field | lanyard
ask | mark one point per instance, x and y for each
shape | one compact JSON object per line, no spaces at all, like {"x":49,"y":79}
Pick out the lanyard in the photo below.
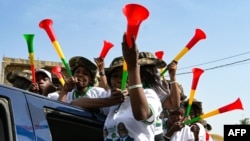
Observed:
{"x":77,"y":95}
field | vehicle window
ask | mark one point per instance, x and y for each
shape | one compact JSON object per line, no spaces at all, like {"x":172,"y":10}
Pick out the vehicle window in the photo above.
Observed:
{"x":64,"y":127}
{"x":5,"y":121}
{"x":2,"y":131}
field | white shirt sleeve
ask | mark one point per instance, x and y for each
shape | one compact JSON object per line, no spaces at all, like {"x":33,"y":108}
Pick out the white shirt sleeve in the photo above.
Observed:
{"x":202,"y":132}
{"x":53,"y":95}
{"x":185,"y":134}
{"x":97,"y":92}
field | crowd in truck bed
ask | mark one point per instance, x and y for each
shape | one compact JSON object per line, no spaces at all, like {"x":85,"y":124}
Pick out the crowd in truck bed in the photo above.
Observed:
{"x":138,"y":103}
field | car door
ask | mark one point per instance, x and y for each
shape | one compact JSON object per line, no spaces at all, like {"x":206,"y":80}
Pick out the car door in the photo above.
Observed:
{"x":15,"y":121}
{"x":59,"y":121}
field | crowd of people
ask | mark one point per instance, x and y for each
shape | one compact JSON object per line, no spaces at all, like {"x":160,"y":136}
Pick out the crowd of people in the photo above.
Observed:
{"x":148,"y":109}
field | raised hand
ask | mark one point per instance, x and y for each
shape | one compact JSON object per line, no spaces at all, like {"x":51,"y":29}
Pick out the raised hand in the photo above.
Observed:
{"x":69,"y":84}
{"x":131,"y":54}
{"x":100,"y":63}
{"x":118,"y":96}
{"x":34,"y":88}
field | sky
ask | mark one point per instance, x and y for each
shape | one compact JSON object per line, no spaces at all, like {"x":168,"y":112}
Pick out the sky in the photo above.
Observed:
{"x":81,"y":27}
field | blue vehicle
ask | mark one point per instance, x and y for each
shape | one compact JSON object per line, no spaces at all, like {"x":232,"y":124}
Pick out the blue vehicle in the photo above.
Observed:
{"x":25,"y":116}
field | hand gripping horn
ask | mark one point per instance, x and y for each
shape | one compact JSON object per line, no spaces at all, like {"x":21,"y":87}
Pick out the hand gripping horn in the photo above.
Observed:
{"x":199,"y":35}
{"x":46,"y":24}
{"x":56,"y":70}
{"x":237,"y":104}
{"x":196,"y":76}
{"x":29,"y":39}
{"x":135,"y":14}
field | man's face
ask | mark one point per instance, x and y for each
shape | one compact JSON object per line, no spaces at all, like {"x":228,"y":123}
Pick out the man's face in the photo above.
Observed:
{"x":176,"y":116}
{"x":83,"y":77}
{"x":116,"y":77}
{"x":43,"y":80}
{"x":122,"y":130}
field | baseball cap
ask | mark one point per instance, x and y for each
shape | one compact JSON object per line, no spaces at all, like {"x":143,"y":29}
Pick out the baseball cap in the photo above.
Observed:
{"x":45,"y":72}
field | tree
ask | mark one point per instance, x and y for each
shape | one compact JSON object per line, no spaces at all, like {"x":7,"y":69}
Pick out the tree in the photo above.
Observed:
{"x":245,"y":121}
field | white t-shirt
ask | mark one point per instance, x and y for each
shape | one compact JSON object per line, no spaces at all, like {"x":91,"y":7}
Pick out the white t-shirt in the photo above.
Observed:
{"x":53,"y":95}
{"x":137,"y":130}
{"x":185,"y":134}
{"x":202,"y":132}
{"x":93,"y":92}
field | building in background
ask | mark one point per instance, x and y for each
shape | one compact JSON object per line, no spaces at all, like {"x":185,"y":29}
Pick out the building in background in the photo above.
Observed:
{"x":17,"y":64}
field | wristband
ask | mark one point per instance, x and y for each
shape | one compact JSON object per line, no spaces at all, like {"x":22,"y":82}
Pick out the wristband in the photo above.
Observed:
{"x":102,"y":73}
{"x":135,"y":86}
{"x":166,"y":137}
{"x":172,"y":82}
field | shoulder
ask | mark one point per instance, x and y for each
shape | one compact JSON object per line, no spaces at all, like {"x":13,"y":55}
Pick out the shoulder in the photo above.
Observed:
{"x":98,"y":92}
{"x":97,"y":89}
{"x":53,"y":95}
{"x":200,"y":125}
{"x":150,"y":93}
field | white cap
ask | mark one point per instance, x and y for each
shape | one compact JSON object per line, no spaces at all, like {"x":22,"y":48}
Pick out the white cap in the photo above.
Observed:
{"x":45,"y":72}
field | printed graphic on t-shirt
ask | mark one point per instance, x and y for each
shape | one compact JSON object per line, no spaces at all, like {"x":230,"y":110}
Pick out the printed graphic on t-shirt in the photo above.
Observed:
{"x":123,"y":134}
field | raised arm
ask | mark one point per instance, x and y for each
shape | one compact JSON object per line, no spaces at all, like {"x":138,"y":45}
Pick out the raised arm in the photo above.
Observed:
{"x":138,"y":99}
{"x":172,"y":102}
{"x":103,"y":79}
